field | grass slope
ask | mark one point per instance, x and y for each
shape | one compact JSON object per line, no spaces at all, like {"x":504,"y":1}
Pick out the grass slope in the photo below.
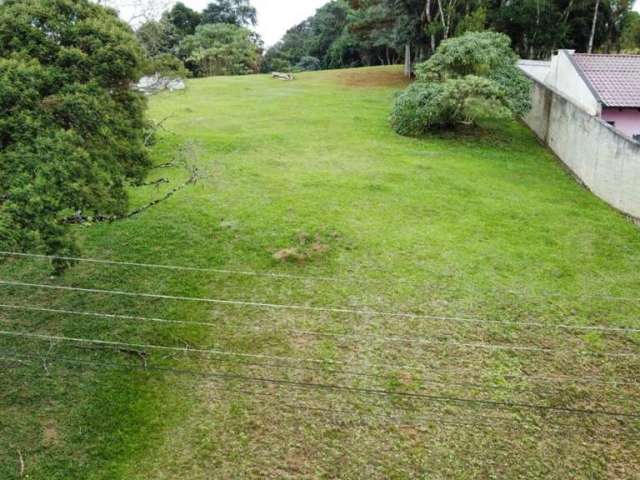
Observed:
{"x":486,"y":226}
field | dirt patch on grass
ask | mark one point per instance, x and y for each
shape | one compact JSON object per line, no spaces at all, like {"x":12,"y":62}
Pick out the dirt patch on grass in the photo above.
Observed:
{"x":374,"y":78}
{"x":50,"y":435}
{"x":307,"y":247}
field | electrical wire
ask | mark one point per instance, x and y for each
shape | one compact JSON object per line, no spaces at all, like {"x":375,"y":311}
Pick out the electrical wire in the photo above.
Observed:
{"x":250,"y":273}
{"x":339,"y":310}
{"x":361,"y":390}
{"x":272,"y":395}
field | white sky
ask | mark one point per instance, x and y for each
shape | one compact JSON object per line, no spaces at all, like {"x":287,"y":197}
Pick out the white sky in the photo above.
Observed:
{"x":275,"y":17}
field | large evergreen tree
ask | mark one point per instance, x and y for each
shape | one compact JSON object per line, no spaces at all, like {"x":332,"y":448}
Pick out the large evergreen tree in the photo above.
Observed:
{"x":71,"y":128}
{"x":235,"y":12}
{"x":221,"y":49}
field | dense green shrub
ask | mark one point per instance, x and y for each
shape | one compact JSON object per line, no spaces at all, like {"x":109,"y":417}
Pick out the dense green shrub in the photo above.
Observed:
{"x":309,"y":64}
{"x":166,"y":65}
{"x":426,"y":106}
{"x":469,"y":78}
{"x":235,"y":12}
{"x":158,"y":37}
{"x":221,"y":49}
{"x":71,"y":129}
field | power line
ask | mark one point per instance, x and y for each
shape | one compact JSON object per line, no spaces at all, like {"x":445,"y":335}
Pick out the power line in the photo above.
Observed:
{"x":146,"y":368}
{"x":363,"y":390}
{"x":296,"y":363}
{"x":176,"y":267}
{"x":509,"y":423}
{"x":422,"y":371}
{"x":129,"y":368}
{"x":254,"y":273}
{"x":587,"y":380}
{"x":419,"y":340}
{"x":341,"y":310}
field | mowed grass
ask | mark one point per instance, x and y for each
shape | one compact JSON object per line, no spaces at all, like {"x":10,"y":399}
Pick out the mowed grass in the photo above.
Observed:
{"x":484,"y":226}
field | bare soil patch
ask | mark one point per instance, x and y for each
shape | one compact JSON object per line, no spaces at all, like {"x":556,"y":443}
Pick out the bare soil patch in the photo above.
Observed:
{"x":365,"y":78}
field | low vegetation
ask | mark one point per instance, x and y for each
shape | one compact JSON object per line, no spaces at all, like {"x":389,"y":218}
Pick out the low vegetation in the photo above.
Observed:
{"x":469,"y":78}
{"x":306,"y":179}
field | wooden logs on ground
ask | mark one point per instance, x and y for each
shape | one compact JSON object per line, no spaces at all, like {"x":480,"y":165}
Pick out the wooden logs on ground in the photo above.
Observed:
{"x":283,"y":76}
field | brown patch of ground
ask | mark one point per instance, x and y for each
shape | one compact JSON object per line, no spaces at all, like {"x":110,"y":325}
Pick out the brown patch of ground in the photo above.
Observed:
{"x":50,"y":434}
{"x":374,"y":78}
{"x":307,"y":247}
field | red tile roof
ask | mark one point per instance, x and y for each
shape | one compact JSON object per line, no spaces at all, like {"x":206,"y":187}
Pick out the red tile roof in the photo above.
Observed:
{"x":615,"y":79}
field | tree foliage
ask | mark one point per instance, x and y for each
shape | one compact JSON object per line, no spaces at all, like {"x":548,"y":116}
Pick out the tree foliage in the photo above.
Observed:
{"x":221,"y":49}
{"x":183,"y":19}
{"x":312,"y":38}
{"x":71,"y":129}
{"x":347,"y":33}
{"x":214,"y":42}
{"x":234,"y":12}
{"x":469,"y":78}
{"x":630,"y":37}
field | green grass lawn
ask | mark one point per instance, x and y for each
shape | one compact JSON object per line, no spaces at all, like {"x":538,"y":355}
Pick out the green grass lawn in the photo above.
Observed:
{"x":306,"y":179}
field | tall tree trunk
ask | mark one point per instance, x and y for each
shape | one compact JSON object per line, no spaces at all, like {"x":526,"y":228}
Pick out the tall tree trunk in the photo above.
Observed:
{"x":407,"y":60}
{"x":427,"y":11}
{"x":445,"y":28}
{"x":593,"y":27}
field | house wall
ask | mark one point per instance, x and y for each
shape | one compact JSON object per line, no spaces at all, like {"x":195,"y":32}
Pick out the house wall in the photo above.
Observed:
{"x":535,"y":68}
{"x":627,"y":120}
{"x":564,"y":77}
{"x":606,"y":161}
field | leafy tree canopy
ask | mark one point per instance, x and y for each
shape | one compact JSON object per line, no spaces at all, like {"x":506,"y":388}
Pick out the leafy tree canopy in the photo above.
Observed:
{"x":312,"y":38}
{"x":221,"y":49}
{"x":235,"y":12}
{"x":71,"y":129}
{"x":348,"y":33}
{"x":630,"y":38}
{"x":183,"y":19}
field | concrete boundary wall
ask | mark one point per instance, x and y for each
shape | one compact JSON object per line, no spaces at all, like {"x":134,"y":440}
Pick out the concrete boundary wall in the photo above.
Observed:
{"x":605,"y":160}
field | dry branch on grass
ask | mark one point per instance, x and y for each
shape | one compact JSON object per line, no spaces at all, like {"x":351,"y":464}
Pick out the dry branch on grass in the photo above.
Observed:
{"x":186,"y":158}
{"x":153,"y":129}
{"x":140,"y":354}
{"x":283,"y":76}
{"x":20,"y":464}
{"x":191,"y":181}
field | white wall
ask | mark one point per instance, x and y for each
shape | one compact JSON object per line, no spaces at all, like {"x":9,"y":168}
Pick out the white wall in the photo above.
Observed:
{"x":607,"y":162}
{"x":536,"y":68}
{"x":564,"y":77}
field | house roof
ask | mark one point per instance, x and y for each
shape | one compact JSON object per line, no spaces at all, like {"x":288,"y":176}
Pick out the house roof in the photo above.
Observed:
{"x":615,"y":79}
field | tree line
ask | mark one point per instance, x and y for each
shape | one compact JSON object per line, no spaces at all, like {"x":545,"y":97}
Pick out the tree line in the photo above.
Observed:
{"x":352,"y":33}
{"x":216,"y":41}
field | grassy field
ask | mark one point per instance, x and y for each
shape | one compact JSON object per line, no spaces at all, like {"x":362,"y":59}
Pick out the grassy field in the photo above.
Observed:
{"x":490,"y":245}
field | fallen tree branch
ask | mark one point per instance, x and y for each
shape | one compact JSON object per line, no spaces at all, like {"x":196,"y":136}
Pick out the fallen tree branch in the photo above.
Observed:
{"x":154,"y":183}
{"x":186,"y":158}
{"x":163,"y":165}
{"x":21,"y":464}
{"x":79,"y":219}
{"x":192,"y":180}
{"x":152,"y":131}
{"x":283,"y":76}
{"x":140,"y":354}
